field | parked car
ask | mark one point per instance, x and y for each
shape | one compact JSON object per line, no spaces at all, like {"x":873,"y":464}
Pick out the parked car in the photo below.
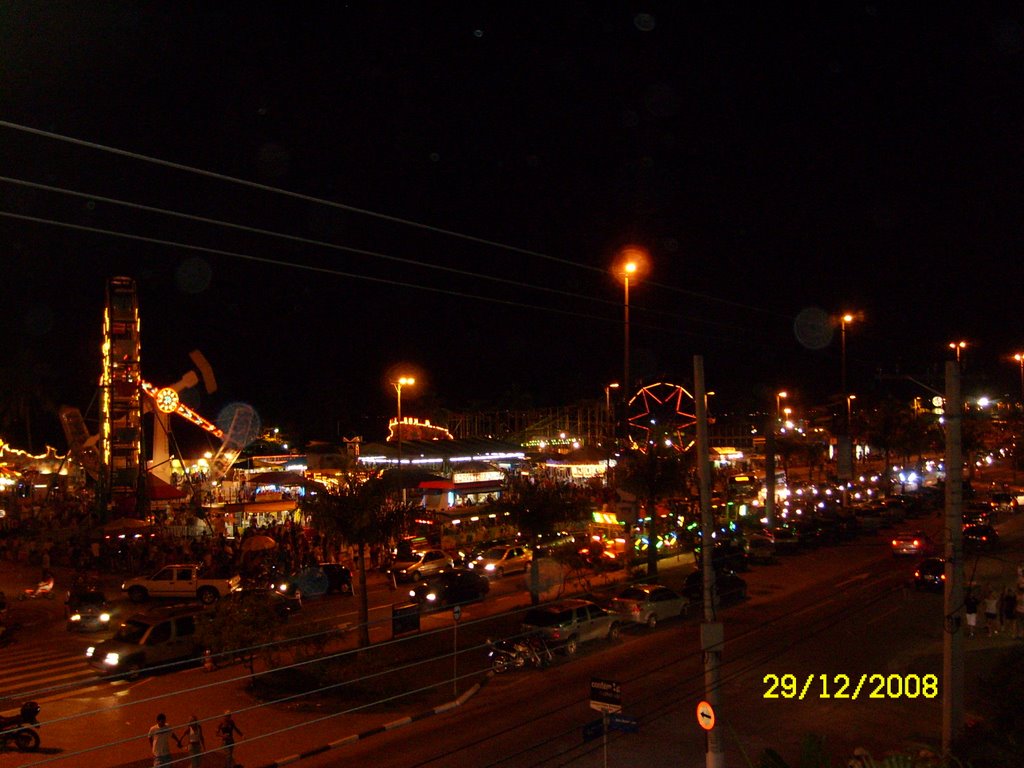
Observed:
{"x":1003,"y":502}
{"x":455,"y":587}
{"x":498,"y":561}
{"x":727,"y":585}
{"x":87,"y":609}
{"x":980,"y":537}
{"x":760,"y":547}
{"x":154,"y":638}
{"x":786,"y":540}
{"x":567,"y":623}
{"x":977,"y":513}
{"x":930,"y":574}
{"x":421,"y":564}
{"x":648,"y":604}
{"x":913,"y":543}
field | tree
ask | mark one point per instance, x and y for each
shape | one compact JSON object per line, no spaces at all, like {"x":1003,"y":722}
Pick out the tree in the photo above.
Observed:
{"x":652,"y":475}
{"x":244,"y":626}
{"x":536,"y":510}
{"x":364,"y":514}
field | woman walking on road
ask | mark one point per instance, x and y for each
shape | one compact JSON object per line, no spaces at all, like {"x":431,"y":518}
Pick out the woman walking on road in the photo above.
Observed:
{"x":196,"y":742}
{"x":227,"y":730}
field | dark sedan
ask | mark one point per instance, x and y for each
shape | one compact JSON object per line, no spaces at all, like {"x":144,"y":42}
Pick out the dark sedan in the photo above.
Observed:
{"x":87,"y":610}
{"x":980,"y":537}
{"x":930,"y":574}
{"x":450,"y":588}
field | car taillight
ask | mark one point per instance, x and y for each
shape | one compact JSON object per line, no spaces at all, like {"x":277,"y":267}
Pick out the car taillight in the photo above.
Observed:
{"x":917,"y":574}
{"x":895,"y":543}
{"x":917,"y":543}
{"x":556,"y":634}
{"x":942,"y":576}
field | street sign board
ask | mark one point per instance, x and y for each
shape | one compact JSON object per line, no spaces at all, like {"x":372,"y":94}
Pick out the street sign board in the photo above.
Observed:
{"x":705,"y":716}
{"x":620,"y":722}
{"x":605,"y":695}
{"x":457,"y":612}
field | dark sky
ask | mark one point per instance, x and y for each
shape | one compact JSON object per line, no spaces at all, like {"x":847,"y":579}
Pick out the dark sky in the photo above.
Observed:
{"x":462,"y":174}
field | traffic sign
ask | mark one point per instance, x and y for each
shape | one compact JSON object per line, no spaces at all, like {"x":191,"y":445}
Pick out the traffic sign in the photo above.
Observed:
{"x":605,"y":695}
{"x":619,"y":722}
{"x":457,"y":612}
{"x":705,"y":716}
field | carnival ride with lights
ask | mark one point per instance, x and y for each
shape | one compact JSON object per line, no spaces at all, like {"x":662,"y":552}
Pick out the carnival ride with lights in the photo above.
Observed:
{"x":662,"y":411}
{"x":114,"y":457}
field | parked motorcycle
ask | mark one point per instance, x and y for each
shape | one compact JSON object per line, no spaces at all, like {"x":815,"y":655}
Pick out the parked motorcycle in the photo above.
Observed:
{"x":506,"y":655}
{"x":20,"y":730}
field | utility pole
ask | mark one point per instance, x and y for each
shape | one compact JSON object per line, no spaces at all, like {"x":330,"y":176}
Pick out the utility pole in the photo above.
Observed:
{"x":953,"y":637}
{"x":712,"y":633}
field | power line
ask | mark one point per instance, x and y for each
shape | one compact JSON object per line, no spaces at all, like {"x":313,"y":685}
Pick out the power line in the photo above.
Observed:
{"x":351,"y":209}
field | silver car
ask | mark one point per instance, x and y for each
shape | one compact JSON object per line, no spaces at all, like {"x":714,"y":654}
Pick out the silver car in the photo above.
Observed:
{"x":568,"y":623}
{"x":648,"y":604}
{"x":497,"y":561}
{"x":422,"y":565}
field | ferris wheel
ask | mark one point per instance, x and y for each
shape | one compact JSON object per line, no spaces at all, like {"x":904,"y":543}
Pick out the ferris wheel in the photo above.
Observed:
{"x":662,"y":411}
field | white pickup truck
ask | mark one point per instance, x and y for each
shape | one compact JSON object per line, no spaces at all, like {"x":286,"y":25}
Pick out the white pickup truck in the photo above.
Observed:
{"x":186,"y":581}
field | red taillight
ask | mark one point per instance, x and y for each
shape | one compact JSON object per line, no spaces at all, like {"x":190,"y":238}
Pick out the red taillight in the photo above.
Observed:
{"x":917,"y":543}
{"x":943,"y":577}
{"x":917,"y":574}
{"x":895,"y":543}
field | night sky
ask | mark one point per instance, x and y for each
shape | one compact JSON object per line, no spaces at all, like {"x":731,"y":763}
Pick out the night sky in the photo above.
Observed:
{"x":454,"y":180}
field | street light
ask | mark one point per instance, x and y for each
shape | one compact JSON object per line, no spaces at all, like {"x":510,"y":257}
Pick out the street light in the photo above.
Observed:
{"x":1019,"y":357}
{"x":632,"y":265}
{"x":849,"y":408}
{"x":956,"y":346}
{"x":402,"y":381}
{"x":608,"y":399}
{"x":778,"y":404}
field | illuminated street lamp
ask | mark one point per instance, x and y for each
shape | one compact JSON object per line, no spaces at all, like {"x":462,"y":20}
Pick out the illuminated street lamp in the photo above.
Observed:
{"x":779,"y":396}
{"x":631,"y":266}
{"x":849,"y":409}
{"x":956,"y":346}
{"x":403,"y":381}
{"x":1019,"y":357}
{"x":787,"y":412}
{"x":608,"y":399}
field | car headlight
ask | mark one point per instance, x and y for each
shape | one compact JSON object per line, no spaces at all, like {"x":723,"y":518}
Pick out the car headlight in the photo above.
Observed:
{"x":472,"y":564}
{"x":431,"y":596}
{"x":90,"y":651}
{"x":489,"y":567}
{"x":104,"y":617}
{"x":282,"y":587}
{"x":412,"y":593}
{"x":75,"y":617}
{"x":112,"y":659}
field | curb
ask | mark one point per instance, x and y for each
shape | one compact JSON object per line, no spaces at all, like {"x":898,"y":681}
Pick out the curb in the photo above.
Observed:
{"x":373,"y":731}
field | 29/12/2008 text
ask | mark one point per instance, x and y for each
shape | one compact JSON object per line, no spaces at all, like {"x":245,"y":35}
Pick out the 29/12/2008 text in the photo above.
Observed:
{"x":842,"y":686}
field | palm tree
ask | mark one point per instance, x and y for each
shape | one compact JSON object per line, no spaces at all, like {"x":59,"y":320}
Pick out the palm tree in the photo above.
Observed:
{"x":366,"y":515}
{"x":655,"y":474}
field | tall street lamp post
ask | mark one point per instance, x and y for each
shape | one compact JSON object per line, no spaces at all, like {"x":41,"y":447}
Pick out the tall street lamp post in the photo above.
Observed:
{"x":1019,"y":357}
{"x":957,"y":346}
{"x":779,"y":396}
{"x":402,"y":381}
{"x":631,"y":266}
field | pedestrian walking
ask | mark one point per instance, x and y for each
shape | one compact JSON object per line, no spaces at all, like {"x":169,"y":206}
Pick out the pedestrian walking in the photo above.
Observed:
{"x":193,"y":735}
{"x":971,"y":609}
{"x":227,"y":730}
{"x":160,"y":736}
{"x":991,"y":612}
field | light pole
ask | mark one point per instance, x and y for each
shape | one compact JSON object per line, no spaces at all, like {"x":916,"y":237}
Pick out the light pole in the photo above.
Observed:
{"x":632,"y":265}
{"x":779,"y":396}
{"x":1019,"y":357}
{"x":402,"y":381}
{"x":849,"y":408}
{"x":956,"y":346}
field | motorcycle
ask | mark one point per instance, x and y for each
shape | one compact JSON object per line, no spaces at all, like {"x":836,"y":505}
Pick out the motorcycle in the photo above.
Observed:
{"x":507,"y":655}
{"x":20,"y":730}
